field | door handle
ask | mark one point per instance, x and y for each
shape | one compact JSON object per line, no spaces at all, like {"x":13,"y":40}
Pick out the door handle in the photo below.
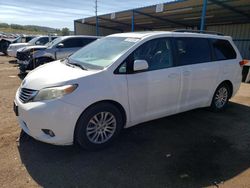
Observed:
{"x":186,"y":73}
{"x":173,"y":75}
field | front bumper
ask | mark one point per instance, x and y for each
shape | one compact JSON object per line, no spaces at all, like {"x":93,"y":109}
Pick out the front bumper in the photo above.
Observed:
{"x":20,"y":62}
{"x":55,"y":115}
{"x":11,"y":53}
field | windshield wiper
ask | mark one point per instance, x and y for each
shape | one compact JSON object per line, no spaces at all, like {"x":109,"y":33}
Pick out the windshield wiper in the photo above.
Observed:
{"x":64,"y":59}
{"x":69,"y":63}
{"x":78,"y":65}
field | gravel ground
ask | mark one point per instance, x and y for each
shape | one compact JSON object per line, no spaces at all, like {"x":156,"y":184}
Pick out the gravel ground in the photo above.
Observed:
{"x":192,"y":149}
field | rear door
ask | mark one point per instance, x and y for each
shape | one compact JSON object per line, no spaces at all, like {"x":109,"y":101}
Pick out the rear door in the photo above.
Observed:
{"x":226,"y":58}
{"x":198,"y":72}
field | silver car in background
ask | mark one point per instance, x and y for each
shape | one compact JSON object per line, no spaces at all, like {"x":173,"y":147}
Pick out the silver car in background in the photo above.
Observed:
{"x":59,"y":48}
{"x":40,"y":40}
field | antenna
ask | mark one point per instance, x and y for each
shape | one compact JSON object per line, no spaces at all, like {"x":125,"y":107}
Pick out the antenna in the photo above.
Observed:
{"x":95,"y":7}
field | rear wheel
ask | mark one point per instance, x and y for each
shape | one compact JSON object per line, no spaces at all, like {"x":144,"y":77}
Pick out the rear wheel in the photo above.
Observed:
{"x":220,"y":98}
{"x":98,"y":126}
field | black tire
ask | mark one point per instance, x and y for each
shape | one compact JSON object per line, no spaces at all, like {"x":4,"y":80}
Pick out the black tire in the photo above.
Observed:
{"x":216,"y":105}
{"x":22,"y":69}
{"x":83,"y":122}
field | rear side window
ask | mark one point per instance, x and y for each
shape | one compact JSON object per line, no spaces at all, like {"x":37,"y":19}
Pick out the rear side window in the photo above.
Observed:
{"x":192,"y":50}
{"x":223,"y":50}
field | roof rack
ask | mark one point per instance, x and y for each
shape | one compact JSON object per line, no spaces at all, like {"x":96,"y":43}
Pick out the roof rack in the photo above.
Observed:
{"x":198,"y":31}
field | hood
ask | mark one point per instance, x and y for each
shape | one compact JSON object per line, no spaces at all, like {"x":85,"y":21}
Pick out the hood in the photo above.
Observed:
{"x":54,"y":74}
{"x":28,"y":48}
{"x":19,"y":44}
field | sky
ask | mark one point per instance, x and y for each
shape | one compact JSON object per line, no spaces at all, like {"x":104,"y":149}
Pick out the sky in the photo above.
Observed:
{"x":61,"y":13}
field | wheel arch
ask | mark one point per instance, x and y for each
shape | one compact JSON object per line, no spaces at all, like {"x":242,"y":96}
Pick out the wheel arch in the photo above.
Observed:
{"x":115,"y":103}
{"x":46,"y":57}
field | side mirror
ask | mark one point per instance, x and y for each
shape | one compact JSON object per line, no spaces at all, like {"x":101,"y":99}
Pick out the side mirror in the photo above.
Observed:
{"x":38,"y":42}
{"x":140,"y":65}
{"x":60,"y":45}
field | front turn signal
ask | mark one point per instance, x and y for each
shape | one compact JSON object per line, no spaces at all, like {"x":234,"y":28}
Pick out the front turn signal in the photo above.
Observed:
{"x":244,"y":62}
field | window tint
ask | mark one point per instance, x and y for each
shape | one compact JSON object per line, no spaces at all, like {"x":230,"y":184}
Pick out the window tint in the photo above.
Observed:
{"x":87,"y":41}
{"x":192,"y":50}
{"x":72,"y":43}
{"x":223,"y":49}
{"x":42,"y":40}
{"x":157,"y":53}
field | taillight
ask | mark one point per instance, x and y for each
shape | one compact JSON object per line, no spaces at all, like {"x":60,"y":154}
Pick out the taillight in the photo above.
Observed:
{"x":243,"y":62}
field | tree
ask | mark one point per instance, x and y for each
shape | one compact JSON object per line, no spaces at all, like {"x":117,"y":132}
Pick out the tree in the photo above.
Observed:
{"x":4,"y":25}
{"x":65,"y":31}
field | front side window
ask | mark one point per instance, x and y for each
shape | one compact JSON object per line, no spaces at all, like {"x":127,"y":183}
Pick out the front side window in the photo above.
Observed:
{"x":86,"y":41}
{"x":223,"y":49}
{"x":157,"y":52}
{"x":72,"y":43}
{"x":192,"y":50}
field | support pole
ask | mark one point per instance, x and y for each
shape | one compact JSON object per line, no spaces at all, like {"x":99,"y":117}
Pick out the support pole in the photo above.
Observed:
{"x":96,"y":19}
{"x":133,"y":21}
{"x":203,"y":16}
{"x":97,"y":26}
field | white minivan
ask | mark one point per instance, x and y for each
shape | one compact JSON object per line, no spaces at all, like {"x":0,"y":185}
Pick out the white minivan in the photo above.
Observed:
{"x":125,"y":79}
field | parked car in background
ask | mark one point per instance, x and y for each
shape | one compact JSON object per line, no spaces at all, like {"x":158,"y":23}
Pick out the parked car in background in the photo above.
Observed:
{"x":5,"y":42}
{"x":30,"y":58}
{"x":125,"y":79}
{"x":41,"y":40}
{"x":27,"y":38}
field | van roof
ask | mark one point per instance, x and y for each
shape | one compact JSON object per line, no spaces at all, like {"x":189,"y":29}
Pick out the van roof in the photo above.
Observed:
{"x":78,"y":36}
{"x":146,"y":34}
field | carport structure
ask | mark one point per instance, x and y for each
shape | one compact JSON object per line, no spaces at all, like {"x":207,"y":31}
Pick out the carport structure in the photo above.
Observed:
{"x":231,"y":17}
{"x":176,"y":14}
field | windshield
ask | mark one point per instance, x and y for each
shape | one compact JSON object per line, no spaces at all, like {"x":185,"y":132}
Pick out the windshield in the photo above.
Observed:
{"x":32,"y":41}
{"x":53,"y":42}
{"x":102,"y":52}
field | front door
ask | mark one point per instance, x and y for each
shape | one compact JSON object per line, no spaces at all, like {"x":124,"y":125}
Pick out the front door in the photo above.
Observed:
{"x":153,"y":93}
{"x":70,"y":46}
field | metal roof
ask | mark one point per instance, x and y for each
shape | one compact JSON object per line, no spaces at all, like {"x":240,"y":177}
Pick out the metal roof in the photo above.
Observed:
{"x":176,"y":14}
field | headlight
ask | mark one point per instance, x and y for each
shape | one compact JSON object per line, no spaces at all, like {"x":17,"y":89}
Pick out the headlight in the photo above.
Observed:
{"x":54,"y":92}
{"x":32,"y":51}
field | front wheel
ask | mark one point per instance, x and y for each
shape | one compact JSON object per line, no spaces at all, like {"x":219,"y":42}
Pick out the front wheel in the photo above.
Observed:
{"x":220,"y":98}
{"x":98,"y":126}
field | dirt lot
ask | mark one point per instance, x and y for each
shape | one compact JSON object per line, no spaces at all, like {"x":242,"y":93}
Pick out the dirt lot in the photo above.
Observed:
{"x":193,"y":149}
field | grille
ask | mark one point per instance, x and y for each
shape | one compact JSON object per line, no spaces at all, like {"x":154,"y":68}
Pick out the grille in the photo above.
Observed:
{"x":26,"y":94}
{"x":22,"y":56}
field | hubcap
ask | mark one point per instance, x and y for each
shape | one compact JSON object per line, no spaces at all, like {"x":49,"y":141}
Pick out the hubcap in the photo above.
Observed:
{"x":101,"y":127}
{"x":221,"y":97}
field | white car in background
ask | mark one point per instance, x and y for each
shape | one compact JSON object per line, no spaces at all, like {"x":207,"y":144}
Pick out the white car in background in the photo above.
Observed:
{"x":41,"y":40}
{"x":124,"y":79}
